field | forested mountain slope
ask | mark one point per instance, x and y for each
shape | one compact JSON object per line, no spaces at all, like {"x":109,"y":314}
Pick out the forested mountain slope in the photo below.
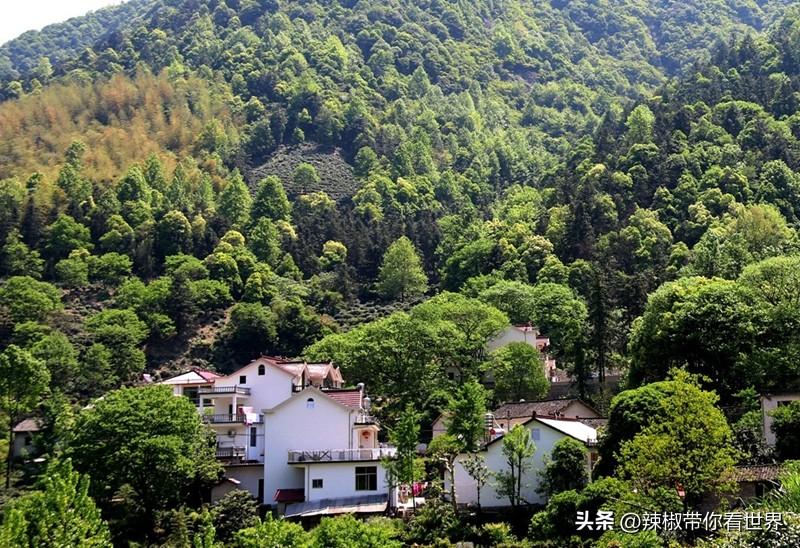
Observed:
{"x":62,"y":41}
{"x":525,"y":149}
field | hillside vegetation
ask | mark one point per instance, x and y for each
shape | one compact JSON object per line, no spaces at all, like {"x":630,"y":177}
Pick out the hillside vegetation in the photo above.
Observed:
{"x":390,"y":184}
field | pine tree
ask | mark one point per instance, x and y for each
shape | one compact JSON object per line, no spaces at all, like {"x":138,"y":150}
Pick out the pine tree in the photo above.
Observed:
{"x":271,"y":201}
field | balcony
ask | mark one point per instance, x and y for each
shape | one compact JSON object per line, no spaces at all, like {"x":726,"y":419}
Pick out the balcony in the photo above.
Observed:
{"x":230,"y":452}
{"x":223,"y":391}
{"x":341,"y":455}
{"x":226,"y":418}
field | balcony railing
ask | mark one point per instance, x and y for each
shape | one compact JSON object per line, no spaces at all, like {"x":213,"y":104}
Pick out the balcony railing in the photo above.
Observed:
{"x":230,"y":452}
{"x":341,"y":455}
{"x":230,"y":419}
{"x":223,"y":390}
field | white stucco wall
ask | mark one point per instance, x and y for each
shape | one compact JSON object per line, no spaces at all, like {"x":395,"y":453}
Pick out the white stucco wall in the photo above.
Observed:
{"x":266,"y":391}
{"x":770,"y":402}
{"x":20,"y":449}
{"x":339,"y":480}
{"x":295,"y":426}
{"x":512,"y":334}
{"x":466,"y":490}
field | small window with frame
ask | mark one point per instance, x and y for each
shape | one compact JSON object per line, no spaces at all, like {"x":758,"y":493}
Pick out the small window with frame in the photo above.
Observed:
{"x":242,"y":379}
{"x":366,"y":478}
{"x":316,"y":483}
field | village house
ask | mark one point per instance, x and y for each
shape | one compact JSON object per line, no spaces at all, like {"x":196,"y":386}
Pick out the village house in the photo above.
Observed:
{"x":530,"y":335}
{"x":770,"y":402}
{"x":23,"y":443}
{"x":290,"y":434}
{"x":517,"y":333}
{"x":510,"y":414}
{"x":545,"y":433}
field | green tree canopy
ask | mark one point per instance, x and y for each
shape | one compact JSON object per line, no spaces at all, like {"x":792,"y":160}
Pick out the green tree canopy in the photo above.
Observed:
{"x":60,"y":513}
{"x":518,"y":372}
{"x":401,"y":274}
{"x":146,"y":439}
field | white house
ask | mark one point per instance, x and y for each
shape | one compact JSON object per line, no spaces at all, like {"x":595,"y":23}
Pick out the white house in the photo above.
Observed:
{"x":323,"y":446}
{"x":288,"y":433}
{"x":24,"y":431}
{"x":545,"y":432}
{"x":507,"y":415}
{"x":770,"y":402}
{"x":530,"y":335}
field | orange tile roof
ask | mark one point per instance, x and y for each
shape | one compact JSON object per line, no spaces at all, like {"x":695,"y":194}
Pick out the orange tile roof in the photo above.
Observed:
{"x":350,"y":397}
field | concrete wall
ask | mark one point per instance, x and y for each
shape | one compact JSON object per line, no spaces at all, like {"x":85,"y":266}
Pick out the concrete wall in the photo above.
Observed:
{"x":247,"y":475}
{"x":770,"y":402}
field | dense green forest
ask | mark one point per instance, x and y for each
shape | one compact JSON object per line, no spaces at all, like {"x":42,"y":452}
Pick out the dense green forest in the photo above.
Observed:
{"x":389,"y":184}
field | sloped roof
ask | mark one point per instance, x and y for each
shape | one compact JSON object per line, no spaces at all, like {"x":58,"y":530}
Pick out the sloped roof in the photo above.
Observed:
{"x":548,"y":408}
{"x":207,"y":375}
{"x":290,"y":495}
{"x":364,"y":504}
{"x":755,"y":473}
{"x":194,"y":376}
{"x":573,"y":428}
{"x":350,"y":397}
{"x":28,"y":425}
{"x":318,"y":371}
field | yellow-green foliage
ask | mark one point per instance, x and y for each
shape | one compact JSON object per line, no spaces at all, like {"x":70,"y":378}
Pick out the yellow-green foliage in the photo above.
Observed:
{"x":121,"y":120}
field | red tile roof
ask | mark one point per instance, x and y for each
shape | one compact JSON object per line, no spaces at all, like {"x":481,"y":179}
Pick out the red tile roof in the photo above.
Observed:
{"x":207,"y":375}
{"x":350,"y":397}
{"x":290,"y":495}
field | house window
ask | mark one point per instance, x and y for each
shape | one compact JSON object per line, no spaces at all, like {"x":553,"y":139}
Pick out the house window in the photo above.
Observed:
{"x":252,"y":436}
{"x":316,"y":483}
{"x":310,"y":403}
{"x":191,"y":393}
{"x":207,"y":402}
{"x":366,"y":478}
{"x":242,"y":379}
{"x":536,"y":434}
{"x":261,"y":369}
{"x":261,"y":490}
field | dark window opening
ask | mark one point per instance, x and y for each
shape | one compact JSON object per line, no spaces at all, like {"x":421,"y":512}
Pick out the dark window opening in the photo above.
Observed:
{"x":252,"y":436}
{"x":261,"y":369}
{"x":191,"y":393}
{"x":261,"y":491}
{"x":242,"y":379}
{"x":366,"y":478}
{"x":316,"y":483}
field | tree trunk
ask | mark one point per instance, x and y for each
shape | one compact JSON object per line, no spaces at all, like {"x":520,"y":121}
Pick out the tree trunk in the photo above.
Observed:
{"x":10,"y":453}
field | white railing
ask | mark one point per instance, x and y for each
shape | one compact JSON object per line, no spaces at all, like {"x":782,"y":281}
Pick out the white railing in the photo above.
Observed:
{"x":341,"y":455}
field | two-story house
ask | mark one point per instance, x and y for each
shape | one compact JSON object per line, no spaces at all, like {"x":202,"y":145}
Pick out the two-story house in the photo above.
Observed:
{"x":290,"y":434}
